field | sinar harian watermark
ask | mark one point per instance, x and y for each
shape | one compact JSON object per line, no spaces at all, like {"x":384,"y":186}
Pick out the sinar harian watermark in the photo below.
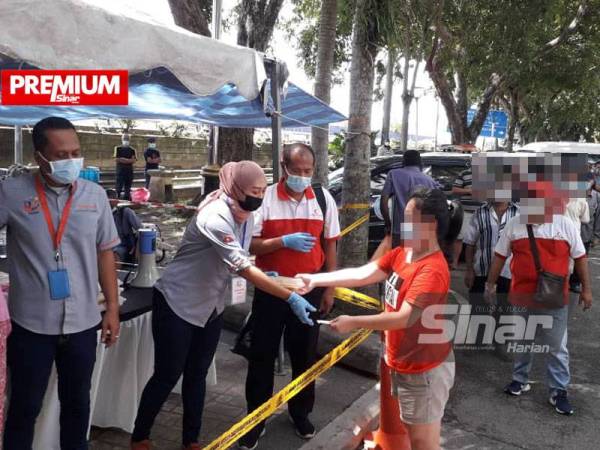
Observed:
{"x":515,"y":330}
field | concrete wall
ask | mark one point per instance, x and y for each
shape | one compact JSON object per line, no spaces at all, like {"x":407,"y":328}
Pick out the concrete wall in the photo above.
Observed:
{"x":177,"y":153}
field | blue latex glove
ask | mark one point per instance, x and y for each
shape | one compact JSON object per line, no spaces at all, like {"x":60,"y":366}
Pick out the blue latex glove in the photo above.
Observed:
{"x":272,"y":274}
{"x":301,"y":242}
{"x":301,"y":308}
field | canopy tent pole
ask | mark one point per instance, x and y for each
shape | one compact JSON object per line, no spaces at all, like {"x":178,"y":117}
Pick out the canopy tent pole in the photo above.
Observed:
{"x":276,"y":119}
{"x":18,"y":144}
{"x":213,"y":157}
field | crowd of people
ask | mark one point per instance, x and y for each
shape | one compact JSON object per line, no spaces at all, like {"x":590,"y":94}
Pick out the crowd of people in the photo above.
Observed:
{"x":62,"y":238}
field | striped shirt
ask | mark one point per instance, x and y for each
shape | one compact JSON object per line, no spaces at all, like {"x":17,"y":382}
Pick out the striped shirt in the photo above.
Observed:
{"x":483,"y":232}
{"x":464,"y":179}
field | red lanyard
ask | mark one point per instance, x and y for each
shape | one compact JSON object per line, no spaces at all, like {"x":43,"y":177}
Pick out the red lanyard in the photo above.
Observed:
{"x":56,"y":236}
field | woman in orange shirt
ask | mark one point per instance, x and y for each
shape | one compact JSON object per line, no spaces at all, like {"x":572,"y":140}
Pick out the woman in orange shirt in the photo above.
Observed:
{"x":417,"y":285}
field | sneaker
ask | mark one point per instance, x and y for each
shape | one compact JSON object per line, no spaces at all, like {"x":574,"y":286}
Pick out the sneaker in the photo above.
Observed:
{"x":304,"y":428}
{"x":250,"y":441}
{"x":515,"y":388}
{"x":560,"y":402}
{"x":141,"y":445}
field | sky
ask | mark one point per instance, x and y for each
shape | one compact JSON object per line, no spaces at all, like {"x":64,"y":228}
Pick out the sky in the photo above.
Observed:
{"x":283,"y":49}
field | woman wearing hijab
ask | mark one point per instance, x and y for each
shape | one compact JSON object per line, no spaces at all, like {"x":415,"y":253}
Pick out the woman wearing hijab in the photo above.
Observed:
{"x":188,"y":300}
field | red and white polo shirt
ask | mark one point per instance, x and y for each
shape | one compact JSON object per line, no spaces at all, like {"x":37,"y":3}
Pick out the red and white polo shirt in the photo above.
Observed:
{"x":280,"y":214}
{"x":557,"y":242}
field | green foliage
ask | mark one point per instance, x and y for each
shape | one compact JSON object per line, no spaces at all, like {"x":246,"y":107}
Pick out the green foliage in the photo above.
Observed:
{"x":553,"y":69}
{"x":303,"y":29}
{"x":336,"y":150}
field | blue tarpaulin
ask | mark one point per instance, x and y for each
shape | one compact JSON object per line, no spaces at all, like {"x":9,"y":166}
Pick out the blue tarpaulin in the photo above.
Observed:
{"x":158,"y":94}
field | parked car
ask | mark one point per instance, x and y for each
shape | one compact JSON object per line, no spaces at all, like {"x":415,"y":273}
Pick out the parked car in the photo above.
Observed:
{"x":442,"y":167}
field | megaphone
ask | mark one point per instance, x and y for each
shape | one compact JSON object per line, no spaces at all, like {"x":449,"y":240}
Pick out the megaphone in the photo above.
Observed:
{"x":147,"y":273}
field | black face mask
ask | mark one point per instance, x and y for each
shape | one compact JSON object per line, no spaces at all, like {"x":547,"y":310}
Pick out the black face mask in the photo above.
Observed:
{"x":251,"y":203}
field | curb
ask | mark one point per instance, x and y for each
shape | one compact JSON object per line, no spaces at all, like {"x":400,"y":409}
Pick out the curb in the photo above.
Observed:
{"x":347,"y":431}
{"x":365,"y":358}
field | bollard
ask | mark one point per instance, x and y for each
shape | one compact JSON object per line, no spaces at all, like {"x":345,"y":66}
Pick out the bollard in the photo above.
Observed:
{"x":392,"y":434}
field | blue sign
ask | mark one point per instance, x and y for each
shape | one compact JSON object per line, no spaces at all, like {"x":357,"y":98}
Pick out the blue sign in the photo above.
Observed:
{"x":495,"y":125}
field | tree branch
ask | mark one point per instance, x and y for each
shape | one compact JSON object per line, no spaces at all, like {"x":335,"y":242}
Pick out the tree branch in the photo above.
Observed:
{"x":484,"y":105}
{"x":567,"y":30}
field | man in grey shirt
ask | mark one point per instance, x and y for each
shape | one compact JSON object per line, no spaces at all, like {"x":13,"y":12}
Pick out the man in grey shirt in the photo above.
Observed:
{"x":60,"y":235}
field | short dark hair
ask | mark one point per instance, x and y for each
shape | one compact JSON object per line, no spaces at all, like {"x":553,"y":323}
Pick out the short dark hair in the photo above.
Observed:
{"x":151,"y":139}
{"x":112,"y":194}
{"x":296,"y":146}
{"x":40,"y":141}
{"x":434,"y":203}
{"x":411,"y":158}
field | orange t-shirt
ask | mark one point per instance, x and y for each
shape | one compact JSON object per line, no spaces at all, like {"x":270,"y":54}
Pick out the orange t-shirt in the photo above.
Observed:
{"x":422,"y":283}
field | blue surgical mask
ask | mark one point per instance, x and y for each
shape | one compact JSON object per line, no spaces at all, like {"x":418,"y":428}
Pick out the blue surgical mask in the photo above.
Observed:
{"x":65,"y":171}
{"x":297,"y":183}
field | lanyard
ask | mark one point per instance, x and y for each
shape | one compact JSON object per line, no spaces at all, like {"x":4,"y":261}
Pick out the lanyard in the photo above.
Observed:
{"x":55,"y":235}
{"x":244,"y":234}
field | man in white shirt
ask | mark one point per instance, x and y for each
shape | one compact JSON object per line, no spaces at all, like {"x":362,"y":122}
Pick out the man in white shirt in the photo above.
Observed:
{"x":578,"y":211}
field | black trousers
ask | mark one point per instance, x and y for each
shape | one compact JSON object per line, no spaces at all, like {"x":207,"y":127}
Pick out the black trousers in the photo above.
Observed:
{"x":179,"y":348}
{"x":270,"y":316}
{"x":124,"y":182}
{"x":476,"y":295}
{"x":480,"y":307}
{"x":30,"y":356}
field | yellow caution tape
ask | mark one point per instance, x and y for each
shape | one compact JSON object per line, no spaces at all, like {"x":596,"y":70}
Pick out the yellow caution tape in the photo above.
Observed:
{"x":232,"y":435}
{"x":355,"y":225}
{"x":355,"y":206}
{"x":356,"y":298}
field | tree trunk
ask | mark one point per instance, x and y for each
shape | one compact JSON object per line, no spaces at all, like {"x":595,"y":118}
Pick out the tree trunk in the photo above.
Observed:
{"x":387,"y":100}
{"x":235,"y":144}
{"x":325,"y":54}
{"x":193,"y":15}
{"x":406,"y":101}
{"x":455,"y":108}
{"x":513,"y":114}
{"x":256,"y":22}
{"x":353,"y":247}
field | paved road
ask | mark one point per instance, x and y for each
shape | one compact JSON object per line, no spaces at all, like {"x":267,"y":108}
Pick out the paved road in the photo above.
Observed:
{"x":225,"y":405}
{"x":479,"y":415}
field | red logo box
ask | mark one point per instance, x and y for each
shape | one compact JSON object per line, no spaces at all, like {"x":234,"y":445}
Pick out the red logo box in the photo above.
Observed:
{"x":64,"y":87}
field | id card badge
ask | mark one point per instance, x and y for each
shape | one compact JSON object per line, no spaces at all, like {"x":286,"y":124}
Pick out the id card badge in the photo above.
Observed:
{"x":392,"y":287}
{"x":238,"y":290}
{"x":60,"y":288}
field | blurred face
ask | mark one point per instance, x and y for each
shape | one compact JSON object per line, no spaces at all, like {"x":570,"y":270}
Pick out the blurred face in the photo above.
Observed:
{"x":418,"y":230}
{"x":62,"y":144}
{"x":113,"y":202}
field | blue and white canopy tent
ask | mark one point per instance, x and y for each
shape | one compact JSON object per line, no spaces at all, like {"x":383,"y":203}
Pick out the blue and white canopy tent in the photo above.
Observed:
{"x":174,"y":74}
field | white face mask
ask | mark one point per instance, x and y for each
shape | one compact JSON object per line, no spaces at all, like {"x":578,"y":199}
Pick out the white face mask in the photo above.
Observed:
{"x":125,"y":143}
{"x":297,"y":183}
{"x":64,"y":171}
{"x":152,"y":145}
